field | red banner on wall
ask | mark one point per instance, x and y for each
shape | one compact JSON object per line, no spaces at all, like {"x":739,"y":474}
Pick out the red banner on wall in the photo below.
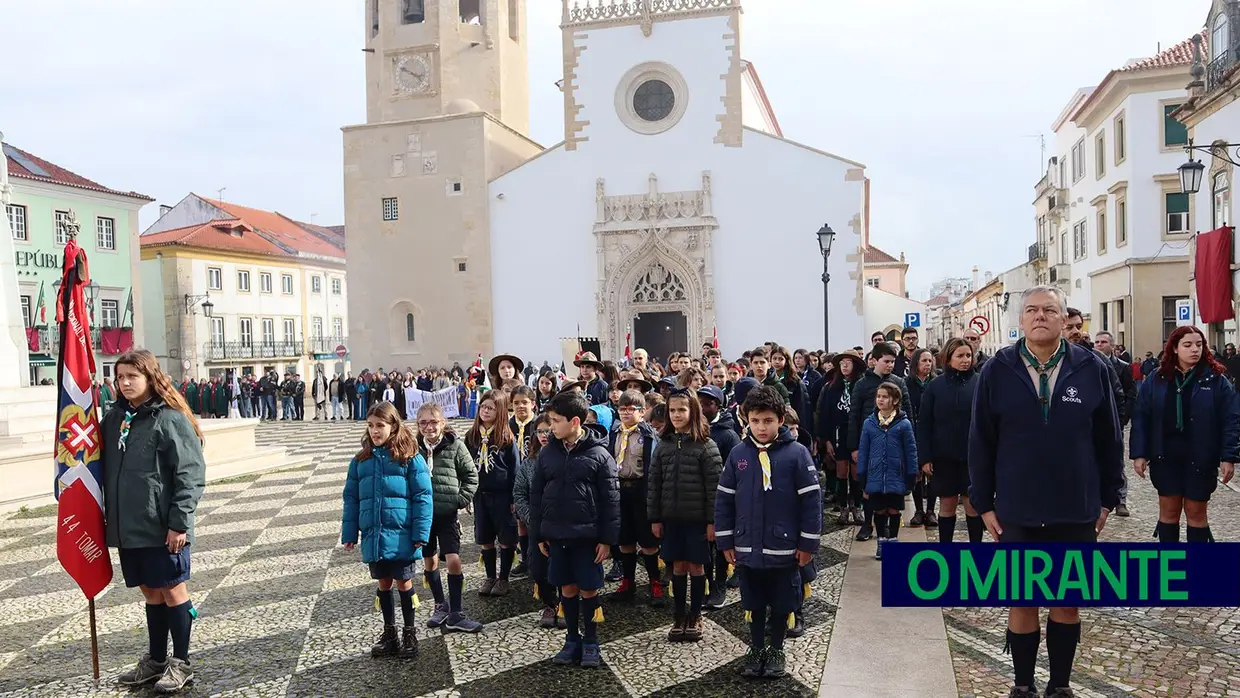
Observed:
{"x":1213,"y":275}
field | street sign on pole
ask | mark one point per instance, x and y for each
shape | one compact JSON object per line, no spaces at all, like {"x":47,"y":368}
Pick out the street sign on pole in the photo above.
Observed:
{"x":1013,"y":334}
{"x":980,"y":324}
{"x":341,"y":351}
{"x":912,"y":319}
{"x":1183,"y":312}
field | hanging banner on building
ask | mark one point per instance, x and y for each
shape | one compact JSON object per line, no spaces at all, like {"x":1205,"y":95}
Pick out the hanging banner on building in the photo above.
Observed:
{"x":446,"y":399}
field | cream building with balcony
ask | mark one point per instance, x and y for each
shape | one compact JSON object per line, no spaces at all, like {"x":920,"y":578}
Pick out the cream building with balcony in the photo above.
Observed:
{"x":1109,"y":210}
{"x":276,"y":287}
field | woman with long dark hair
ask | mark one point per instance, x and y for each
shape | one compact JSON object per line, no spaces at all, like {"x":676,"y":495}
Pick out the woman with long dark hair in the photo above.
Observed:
{"x":1185,"y":432}
{"x":920,"y":374}
{"x":153,"y":477}
{"x":944,"y":418}
{"x":833,"y":409}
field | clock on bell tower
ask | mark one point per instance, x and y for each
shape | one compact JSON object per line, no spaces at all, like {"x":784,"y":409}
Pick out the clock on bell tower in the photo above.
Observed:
{"x":433,"y":57}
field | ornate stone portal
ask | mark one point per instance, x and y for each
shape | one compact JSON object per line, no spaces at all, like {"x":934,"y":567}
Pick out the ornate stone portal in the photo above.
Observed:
{"x":654,"y":255}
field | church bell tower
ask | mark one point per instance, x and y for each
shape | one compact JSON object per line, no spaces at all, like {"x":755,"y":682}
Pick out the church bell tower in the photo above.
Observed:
{"x":433,"y":57}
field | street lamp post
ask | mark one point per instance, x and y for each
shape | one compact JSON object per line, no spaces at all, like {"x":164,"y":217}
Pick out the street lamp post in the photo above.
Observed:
{"x":1191,"y":172}
{"x":826,"y":236}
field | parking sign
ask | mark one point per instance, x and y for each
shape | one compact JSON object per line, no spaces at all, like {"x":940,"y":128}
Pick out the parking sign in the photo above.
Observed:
{"x":912,"y":319}
{"x":1183,"y":312}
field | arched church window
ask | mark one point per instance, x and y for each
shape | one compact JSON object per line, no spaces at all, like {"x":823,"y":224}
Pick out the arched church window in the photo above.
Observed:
{"x":658,"y":285}
{"x":1220,"y":36}
{"x":409,"y":335}
{"x":654,"y":100}
{"x":413,"y":12}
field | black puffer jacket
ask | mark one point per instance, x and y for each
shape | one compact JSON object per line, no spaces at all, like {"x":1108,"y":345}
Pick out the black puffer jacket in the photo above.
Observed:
{"x":946,"y":413}
{"x":575,"y":496}
{"x":683,"y":479}
{"x":723,"y":433}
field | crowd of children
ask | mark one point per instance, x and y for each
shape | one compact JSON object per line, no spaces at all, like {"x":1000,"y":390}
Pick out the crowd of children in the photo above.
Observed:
{"x":712,"y":475}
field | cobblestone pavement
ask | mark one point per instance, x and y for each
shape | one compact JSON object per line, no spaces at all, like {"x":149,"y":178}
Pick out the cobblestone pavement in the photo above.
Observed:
{"x":1146,"y":652}
{"x":285,"y":611}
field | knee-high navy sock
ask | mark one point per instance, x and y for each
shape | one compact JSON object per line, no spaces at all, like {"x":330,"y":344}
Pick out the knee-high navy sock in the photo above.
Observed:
{"x":893,"y":525}
{"x":488,"y":562}
{"x":435,"y":583}
{"x":976,"y":528}
{"x":523,"y":545}
{"x":506,"y":556}
{"x":180,"y":620}
{"x":406,"y":605}
{"x":757,"y":629}
{"x":779,"y":629}
{"x":858,"y":492}
{"x":721,"y":568}
{"x":679,"y":589}
{"x":589,"y":628}
{"x":386,"y":607}
{"x":572,"y":612}
{"x":628,"y":565}
{"x":456,"y":585}
{"x":651,"y":563}
{"x":947,"y":528}
{"x":1061,"y":642}
{"x":157,"y":631}
{"x":1024,"y":648}
{"x":1196,"y":534}
{"x":697,"y":592}
{"x":1168,"y":532}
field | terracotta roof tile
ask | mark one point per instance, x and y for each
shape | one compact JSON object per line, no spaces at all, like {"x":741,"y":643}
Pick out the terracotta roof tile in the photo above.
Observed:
{"x":283,"y":231}
{"x":216,"y":234}
{"x":938,"y":300}
{"x":873,"y":255}
{"x":44,"y":171}
{"x":1179,"y":55}
{"x":333,"y":234}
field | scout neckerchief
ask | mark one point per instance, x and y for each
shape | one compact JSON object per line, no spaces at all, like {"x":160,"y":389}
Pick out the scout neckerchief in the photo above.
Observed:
{"x":764,"y":459}
{"x":885,"y":422}
{"x":127,"y":422}
{"x":483,"y":455}
{"x":1044,"y":373}
{"x":521,"y":434}
{"x":1180,"y":384}
{"x":622,"y":441}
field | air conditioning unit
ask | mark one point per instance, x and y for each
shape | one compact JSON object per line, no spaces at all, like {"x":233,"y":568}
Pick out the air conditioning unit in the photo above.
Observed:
{"x":1060,"y":274}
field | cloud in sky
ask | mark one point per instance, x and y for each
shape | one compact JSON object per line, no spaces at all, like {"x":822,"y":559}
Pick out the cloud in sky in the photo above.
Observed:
{"x":941,"y":100}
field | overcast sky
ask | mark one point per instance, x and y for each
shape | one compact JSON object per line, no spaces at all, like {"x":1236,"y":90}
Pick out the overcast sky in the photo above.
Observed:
{"x":942,"y":100}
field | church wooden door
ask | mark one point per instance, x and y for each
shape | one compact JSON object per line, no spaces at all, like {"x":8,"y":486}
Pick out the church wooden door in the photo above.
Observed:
{"x":660,"y":334}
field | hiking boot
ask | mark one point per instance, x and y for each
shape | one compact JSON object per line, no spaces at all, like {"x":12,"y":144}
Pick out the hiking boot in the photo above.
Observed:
{"x":615,"y":574}
{"x":656,"y":595}
{"x":773,"y":662}
{"x":627,"y":591}
{"x":500,"y":588}
{"x":520,"y":569}
{"x":918,"y":519}
{"x":1121,"y":509}
{"x":866,"y":532}
{"x":461,"y":623}
{"x":693,"y":629}
{"x":931,"y":520}
{"x":844,"y":518}
{"x":387,"y":645}
{"x":1022,"y":692}
{"x":717,"y":597}
{"x":408,"y":642}
{"x":439,"y":616}
{"x":488,"y":585}
{"x":798,"y":626}
{"x":591,"y":656}
{"x":147,"y":671}
{"x":751,"y":668}
{"x":677,"y":633}
{"x":547,"y":619}
{"x":858,"y":517}
{"x":1061,"y":692}
{"x":177,"y":676}
{"x":570,"y":654}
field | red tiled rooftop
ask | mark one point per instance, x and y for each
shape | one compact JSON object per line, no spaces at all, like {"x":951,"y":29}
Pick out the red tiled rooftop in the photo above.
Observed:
{"x":59,"y":175}
{"x":873,"y":255}
{"x":1179,"y":55}
{"x":283,"y":230}
{"x":216,"y":235}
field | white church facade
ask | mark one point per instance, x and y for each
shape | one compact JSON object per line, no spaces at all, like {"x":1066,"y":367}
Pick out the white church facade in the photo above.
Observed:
{"x":673,"y":206}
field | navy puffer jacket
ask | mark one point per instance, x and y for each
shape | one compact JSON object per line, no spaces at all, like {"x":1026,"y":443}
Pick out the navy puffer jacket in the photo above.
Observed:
{"x":575,"y":495}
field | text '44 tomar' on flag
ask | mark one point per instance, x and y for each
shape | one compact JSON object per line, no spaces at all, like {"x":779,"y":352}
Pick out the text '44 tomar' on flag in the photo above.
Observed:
{"x":79,"y":469}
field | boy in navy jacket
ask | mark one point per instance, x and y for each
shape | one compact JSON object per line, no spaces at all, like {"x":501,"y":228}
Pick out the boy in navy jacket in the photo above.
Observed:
{"x":768,"y":519}
{"x":575,"y":518}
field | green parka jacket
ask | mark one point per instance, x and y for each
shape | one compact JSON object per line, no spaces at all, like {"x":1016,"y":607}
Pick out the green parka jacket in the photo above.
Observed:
{"x":454,"y":477}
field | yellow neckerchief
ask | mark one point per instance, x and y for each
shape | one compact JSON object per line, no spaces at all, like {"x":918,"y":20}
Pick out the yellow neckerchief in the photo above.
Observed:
{"x":485,"y":435}
{"x":521,"y":434}
{"x":764,"y":459}
{"x":886,"y":421}
{"x":622,"y":441}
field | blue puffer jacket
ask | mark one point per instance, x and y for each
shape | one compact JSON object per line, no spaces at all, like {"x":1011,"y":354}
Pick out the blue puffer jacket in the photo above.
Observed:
{"x":575,"y":495}
{"x":767,"y":527}
{"x":887,"y":456}
{"x":1214,"y":425}
{"x":390,"y":503}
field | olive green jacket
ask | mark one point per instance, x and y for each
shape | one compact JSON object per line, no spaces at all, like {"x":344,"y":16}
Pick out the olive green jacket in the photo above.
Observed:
{"x":153,"y":485}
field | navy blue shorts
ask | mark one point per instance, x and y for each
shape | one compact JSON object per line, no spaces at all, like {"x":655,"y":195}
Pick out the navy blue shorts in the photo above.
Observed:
{"x":685,"y":541}
{"x":634,"y":526}
{"x":154,"y":568}
{"x":1183,"y":480}
{"x":392,"y":569}
{"x":494,"y":520}
{"x":776,"y":588}
{"x":572,"y":564}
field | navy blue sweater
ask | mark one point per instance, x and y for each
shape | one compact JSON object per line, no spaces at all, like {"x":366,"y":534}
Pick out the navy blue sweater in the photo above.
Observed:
{"x":1059,"y":470}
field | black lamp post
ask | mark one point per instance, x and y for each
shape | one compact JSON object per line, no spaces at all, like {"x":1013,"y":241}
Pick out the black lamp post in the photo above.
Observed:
{"x":1191,"y":172}
{"x":826,"y":236}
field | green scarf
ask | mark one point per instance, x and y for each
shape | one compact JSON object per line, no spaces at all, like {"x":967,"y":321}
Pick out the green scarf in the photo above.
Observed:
{"x":1180,"y":384}
{"x":1044,"y":371}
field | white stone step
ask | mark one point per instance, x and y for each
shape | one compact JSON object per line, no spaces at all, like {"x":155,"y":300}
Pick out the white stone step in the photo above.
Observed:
{"x":43,"y":436}
{"x":21,"y":426}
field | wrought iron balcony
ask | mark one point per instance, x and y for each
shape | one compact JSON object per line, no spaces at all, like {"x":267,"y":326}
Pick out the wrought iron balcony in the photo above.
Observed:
{"x":237,"y":351}
{"x":1037,"y":252}
{"x":325,"y":345}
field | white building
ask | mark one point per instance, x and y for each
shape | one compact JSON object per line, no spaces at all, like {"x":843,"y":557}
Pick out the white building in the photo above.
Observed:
{"x":1212,"y":116}
{"x":1119,"y":228}
{"x":276,"y":288}
{"x":674,"y":203}
{"x":889,"y":313}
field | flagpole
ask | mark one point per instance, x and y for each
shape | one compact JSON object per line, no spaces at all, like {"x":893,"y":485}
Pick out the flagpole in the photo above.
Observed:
{"x":94,"y":639}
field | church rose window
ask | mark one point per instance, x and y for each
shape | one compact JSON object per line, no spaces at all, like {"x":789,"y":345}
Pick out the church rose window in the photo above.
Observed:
{"x":658,"y":285}
{"x":654,"y":100}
